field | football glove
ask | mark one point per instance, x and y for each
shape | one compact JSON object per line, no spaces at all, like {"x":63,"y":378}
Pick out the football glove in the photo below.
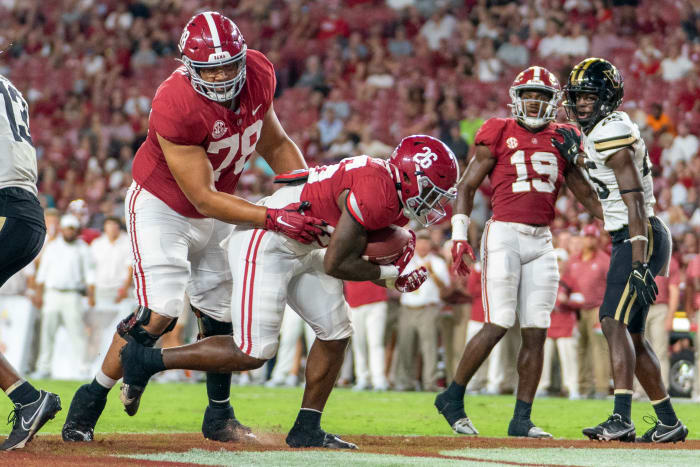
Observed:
{"x":641,"y":280}
{"x":459,"y":249}
{"x":291,"y":221}
{"x":407,"y":254}
{"x":411,"y":281}
{"x":570,"y":147}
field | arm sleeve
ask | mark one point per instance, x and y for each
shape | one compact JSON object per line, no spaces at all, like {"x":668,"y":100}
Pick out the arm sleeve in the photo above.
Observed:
{"x":490,"y":133}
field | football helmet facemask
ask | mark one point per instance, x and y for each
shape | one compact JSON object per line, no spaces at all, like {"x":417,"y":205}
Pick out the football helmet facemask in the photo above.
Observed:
{"x":427,"y":175}
{"x":594,"y":76}
{"x":211,"y":40}
{"x":535,"y":78}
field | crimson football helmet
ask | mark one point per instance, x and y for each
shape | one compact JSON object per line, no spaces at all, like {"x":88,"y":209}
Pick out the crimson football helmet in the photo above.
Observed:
{"x":427,"y":175}
{"x":535,"y":78}
{"x":212,"y":40}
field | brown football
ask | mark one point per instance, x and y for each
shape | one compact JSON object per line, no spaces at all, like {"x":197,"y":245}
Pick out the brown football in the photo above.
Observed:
{"x":384,"y":246}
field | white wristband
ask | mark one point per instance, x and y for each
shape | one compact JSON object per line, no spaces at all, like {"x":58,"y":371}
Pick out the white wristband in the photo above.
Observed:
{"x":388,"y":272}
{"x":460,"y":226}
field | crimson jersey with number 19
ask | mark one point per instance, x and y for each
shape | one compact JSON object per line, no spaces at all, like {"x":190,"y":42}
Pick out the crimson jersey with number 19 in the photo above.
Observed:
{"x":182,"y":116}
{"x":528,"y":173}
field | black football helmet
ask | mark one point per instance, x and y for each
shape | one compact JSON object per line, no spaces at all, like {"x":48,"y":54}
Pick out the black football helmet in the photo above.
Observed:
{"x":594,"y":76}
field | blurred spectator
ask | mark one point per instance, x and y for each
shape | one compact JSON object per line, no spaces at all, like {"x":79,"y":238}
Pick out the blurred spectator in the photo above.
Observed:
{"x":329,"y":127}
{"x":313,"y":74}
{"x":647,"y":58}
{"x":470,"y":124}
{"x":399,"y":46}
{"x":588,"y":272}
{"x":145,"y":55}
{"x":561,"y":338}
{"x":440,"y":26}
{"x":488,"y":66}
{"x":454,"y":140}
{"x":418,"y":318}
{"x":551,"y":43}
{"x":368,"y":309}
{"x":111,"y":257}
{"x":659,"y":121}
{"x":454,"y":315}
{"x":288,"y":361}
{"x":676,"y":65}
{"x":65,"y":274}
{"x":575,"y":44}
{"x":684,"y":147}
{"x":513,"y":53}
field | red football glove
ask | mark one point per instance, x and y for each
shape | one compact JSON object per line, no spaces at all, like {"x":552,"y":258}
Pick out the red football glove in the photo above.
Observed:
{"x":411,"y":281}
{"x":291,"y":221}
{"x":459,"y":249}
{"x":407,"y":254}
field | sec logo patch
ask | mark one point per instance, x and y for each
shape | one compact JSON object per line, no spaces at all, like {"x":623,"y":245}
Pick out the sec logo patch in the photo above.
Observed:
{"x":219,"y":129}
{"x":512,"y":143}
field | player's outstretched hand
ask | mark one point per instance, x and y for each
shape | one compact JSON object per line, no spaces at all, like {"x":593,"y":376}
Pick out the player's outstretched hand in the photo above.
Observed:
{"x":570,"y":147}
{"x":411,"y":281}
{"x":291,"y":221}
{"x":407,"y":254}
{"x":641,"y":280}
{"x":460,"y":265}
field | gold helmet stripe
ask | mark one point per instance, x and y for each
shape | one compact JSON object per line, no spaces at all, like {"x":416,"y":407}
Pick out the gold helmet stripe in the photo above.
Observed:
{"x":581,"y":68}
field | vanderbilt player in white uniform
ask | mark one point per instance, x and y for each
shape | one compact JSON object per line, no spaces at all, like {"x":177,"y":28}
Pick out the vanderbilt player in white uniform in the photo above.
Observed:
{"x":22,"y":233}
{"x":617,"y":163}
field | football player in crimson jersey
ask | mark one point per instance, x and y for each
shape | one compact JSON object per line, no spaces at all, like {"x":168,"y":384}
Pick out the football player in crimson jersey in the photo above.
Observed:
{"x":206,"y":121}
{"x":520,"y":276}
{"x":357,"y":195}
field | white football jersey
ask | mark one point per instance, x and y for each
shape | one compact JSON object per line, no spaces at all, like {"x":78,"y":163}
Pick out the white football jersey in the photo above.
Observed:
{"x":17,"y":154}
{"x":611,"y":134}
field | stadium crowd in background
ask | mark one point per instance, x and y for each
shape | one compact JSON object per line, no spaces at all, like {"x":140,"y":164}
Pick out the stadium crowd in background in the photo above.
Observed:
{"x":353,"y":76}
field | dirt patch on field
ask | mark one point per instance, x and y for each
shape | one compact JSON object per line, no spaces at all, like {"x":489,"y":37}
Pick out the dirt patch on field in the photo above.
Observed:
{"x":52,"y":451}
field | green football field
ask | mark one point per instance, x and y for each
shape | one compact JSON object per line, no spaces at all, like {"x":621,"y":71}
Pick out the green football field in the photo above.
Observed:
{"x":179,"y":408}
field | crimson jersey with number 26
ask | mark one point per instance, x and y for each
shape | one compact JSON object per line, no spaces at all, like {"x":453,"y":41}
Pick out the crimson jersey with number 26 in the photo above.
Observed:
{"x":182,"y":116}
{"x":372,"y":199}
{"x":528,"y":173}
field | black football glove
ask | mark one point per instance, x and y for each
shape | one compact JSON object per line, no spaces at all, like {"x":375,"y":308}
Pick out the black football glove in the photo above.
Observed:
{"x":641,"y":280}
{"x":570,"y":147}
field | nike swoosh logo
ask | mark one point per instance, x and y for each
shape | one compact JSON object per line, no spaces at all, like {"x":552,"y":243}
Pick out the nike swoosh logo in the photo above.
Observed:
{"x":256,"y":109}
{"x":280,"y":221}
{"x":27,"y":424}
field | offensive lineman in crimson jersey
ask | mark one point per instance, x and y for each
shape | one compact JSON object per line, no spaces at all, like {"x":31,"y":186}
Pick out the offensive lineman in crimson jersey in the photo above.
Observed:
{"x":206,"y":121}
{"x":520,"y":275}
{"x":357,"y":195}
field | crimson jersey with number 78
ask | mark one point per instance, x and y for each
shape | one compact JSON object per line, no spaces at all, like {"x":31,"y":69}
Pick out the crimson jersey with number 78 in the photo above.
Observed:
{"x":528,"y":173}
{"x":182,"y":116}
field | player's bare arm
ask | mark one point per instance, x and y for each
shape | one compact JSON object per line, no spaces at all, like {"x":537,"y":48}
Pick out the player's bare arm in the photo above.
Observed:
{"x":479,"y":167}
{"x":343,"y":258}
{"x":630,"y":184}
{"x":583,"y":191}
{"x":276,"y":147}
{"x":195,"y":177}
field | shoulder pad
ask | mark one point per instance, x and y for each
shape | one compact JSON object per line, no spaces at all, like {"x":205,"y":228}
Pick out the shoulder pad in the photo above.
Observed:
{"x":613,"y":132}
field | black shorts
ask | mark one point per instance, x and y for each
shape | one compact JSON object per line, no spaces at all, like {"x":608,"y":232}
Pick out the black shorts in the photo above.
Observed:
{"x":618,"y":302}
{"x":22,"y":230}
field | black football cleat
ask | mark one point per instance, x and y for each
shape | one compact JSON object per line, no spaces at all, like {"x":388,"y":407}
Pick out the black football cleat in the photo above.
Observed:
{"x":135,"y":377}
{"x":29,"y":418}
{"x":222,"y":425}
{"x":612,"y":429}
{"x":85,"y":409}
{"x":526,"y":429}
{"x":299,"y":437}
{"x":660,"y":433}
{"x":454,"y":413}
